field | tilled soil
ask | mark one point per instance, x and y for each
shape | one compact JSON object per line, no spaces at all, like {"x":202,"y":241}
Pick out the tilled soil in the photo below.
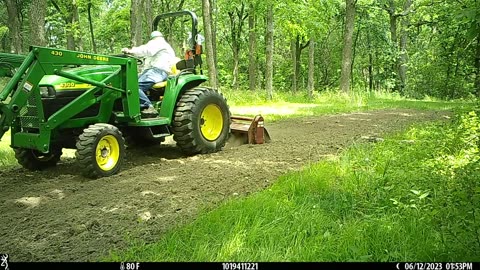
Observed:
{"x":57,"y":215}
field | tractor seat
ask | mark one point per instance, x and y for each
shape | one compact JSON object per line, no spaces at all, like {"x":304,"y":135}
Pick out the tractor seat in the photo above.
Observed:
{"x":173,"y":71}
{"x":159,"y":85}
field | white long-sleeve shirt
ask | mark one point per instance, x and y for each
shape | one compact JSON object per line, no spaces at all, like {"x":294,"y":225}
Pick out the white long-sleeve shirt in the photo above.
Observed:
{"x":157,"y":53}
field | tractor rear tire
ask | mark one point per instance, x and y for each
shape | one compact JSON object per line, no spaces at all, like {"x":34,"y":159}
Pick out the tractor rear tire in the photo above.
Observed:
{"x":201,"y":121}
{"x":34,"y":160}
{"x":100,"y":150}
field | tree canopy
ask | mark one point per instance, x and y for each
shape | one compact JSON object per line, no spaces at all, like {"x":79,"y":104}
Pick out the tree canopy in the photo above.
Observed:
{"x":414,"y":47}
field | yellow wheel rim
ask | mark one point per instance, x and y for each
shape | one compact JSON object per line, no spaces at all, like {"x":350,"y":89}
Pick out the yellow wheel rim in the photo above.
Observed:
{"x":211,"y":122}
{"x":107,"y":152}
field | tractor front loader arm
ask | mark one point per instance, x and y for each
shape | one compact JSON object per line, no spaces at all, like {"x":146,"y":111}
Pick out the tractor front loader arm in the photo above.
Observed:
{"x":22,"y":93}
{"x":9,"y":110}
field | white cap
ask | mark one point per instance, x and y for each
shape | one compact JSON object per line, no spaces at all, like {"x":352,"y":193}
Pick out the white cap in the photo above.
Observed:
{"x":155,"y":34}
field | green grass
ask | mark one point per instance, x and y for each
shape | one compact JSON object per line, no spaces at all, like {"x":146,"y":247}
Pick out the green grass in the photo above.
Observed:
{"x":7,"y":157}
{"x":286,"y":105}
{"x":413,"y":197}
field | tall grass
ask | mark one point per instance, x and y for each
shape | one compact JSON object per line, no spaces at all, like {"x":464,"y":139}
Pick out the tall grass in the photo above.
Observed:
{"x":413,"y":197}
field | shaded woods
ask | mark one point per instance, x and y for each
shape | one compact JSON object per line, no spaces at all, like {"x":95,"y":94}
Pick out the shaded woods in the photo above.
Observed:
{"x":417,"y":48}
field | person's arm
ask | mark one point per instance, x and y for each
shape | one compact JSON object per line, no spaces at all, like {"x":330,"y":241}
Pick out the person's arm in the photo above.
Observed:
{"x":146,"y":50}
{"x":140,"y":51}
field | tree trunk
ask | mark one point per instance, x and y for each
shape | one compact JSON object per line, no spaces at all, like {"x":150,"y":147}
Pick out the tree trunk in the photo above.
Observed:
{"x":136,"y":15}
{"x":393,"y":23}
{"x":37,"y":12}
{"x":207,"y":25}
{"x":76,"y":21}
{"x":149,"y":15}
{"x":213,"y":7}
{"x":213,"y":11}
{"x":370,"y":62}
{"x":236,"y":56}
{"x":269,"y":52}
{"x":311,"y":68}
{"x":393,"y":36}
{"x":252,"y":41}
{"x":70,"y":40}
{"x":370,"y":71}
{"x":72,"y":21}
{"x":477,"y":67}
{"x":294,"y":65}
{"x":354,"y":48}
{"x":90,"y":23}
{"x":297,"y":48}
{"x":237,"y":19}
{"x":403,"y":57}
{"x":71,"y":18}
{"x":14,"y":26}
{"x":402,"y":62}
{"x":347,"y":46}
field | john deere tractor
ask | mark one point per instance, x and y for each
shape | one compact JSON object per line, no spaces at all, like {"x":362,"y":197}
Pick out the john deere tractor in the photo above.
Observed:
{"x":90,"y":102}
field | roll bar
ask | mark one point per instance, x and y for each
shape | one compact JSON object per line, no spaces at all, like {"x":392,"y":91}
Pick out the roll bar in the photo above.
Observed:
{"x":178,"y":14}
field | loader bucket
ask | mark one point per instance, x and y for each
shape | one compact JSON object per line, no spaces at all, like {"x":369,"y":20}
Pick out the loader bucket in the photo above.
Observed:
{"x":247,"y":130}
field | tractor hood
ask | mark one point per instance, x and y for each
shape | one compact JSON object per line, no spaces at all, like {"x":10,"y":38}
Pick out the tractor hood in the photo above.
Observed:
{"x":97,"y":73}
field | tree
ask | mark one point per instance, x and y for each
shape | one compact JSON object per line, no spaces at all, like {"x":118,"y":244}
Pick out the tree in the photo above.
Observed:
{"x":347,"y":46}
{"x":269,"y":51}
{"x":399,"y":52}
{"x":68,"y":9}
{"x":136,"y":15}
{"x":402,"y":60}
{"x":477,"y":67}
{"x":37,"y":13}
{"x":207,"y":24}
{"x":237,"y":19}
{"x":214,"y":19}
{"x":90,"y":23}
{"x":417,"y":48}
{"x":300,"y":22}
{"x":14,"y":26}
{"x":311,"y":68}
{"x":252,"y":41}
{"x":149,"y":17}
{"x":294,"y":22}
{"x":298,"y":45}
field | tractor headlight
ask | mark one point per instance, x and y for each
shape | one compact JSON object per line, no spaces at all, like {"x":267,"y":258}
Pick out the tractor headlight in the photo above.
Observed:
{"x":47,"y":91}
{"x":44,"y":91}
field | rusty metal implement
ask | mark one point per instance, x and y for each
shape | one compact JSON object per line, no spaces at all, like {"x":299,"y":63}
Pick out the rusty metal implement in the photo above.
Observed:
{"x":249,"y":130}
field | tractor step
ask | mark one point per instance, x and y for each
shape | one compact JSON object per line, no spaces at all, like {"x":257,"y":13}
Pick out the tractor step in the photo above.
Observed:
{"x":150,"y":122}
{"x":159,"y":131}
{"x":161,"y":135}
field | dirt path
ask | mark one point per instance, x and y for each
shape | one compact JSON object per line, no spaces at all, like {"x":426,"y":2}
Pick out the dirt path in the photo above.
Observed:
{"x":57,"y":215}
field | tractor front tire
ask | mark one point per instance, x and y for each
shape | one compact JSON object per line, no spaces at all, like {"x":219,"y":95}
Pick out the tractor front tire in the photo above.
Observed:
{"x":201,"y":121}
{"x":34,"y":160}
{"x":100,"y":150}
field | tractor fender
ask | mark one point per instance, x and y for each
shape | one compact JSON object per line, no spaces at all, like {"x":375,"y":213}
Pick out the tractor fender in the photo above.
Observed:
{"x":176,"y":86}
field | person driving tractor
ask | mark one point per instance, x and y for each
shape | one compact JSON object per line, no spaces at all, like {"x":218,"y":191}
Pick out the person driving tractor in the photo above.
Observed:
{"x":159,"y":59}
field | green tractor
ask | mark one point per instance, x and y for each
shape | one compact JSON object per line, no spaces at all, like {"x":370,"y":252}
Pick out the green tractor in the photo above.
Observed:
{"x":59,"y":99}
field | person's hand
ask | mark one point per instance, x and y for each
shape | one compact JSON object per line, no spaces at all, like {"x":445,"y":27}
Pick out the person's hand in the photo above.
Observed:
{"x":126,"y":50}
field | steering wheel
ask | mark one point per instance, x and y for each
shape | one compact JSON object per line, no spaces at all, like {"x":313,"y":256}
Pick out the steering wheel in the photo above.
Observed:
{"x":124,"y":55}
